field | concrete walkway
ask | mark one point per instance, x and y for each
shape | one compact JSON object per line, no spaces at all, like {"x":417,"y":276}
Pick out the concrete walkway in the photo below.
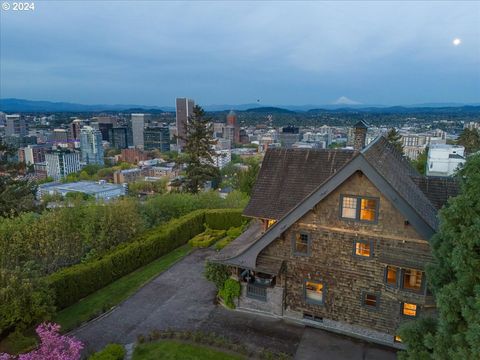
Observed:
{"x":182,"y":299}
{"x":319,"y":344}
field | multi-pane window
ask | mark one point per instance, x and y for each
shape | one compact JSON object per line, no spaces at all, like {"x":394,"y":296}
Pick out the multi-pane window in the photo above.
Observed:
{"x":363,"y":248}
{"x":370,"y":300}
{"x":368,"y":209}
{"x":391,"y":275}
{"x":412,"y":279}
{"x":314,"y":292}
{"x":359,"y":208}
{"x":409,"y":309}
{"x":301,"y":244}
{"x":349,"y":207}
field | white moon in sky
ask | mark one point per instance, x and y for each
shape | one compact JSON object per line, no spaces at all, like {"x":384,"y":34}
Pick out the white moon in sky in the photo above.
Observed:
{"x":456,"y":41}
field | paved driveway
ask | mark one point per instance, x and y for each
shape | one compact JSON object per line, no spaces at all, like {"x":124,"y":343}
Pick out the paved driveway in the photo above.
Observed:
{"x":182,"y":299}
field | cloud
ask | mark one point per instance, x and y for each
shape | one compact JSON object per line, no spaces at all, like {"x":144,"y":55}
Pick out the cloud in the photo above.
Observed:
{"x":283,"y":52}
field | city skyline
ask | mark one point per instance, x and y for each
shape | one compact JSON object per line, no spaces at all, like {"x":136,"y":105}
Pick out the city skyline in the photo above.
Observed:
{"x":269,"y":53}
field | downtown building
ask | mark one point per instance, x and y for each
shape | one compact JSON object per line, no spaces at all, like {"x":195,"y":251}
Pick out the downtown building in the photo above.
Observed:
{"x":33,"y":154}
{"x":120,"y":137}
{"x":138,"y":128}
{"x":15,"y":125}
{"x":91,"y":145}
{"x":184,"y":110}
{"x":157,"y":138}
{"x":60,"y":163}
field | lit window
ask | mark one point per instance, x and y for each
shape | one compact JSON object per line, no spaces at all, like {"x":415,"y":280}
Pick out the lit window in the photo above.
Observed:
{"x":409,"y":309}
{"x":391,"y":276}
{"x":301,"y":244}
{"x":359,"y":208}
{"x":397,"y":339}
{"x":270,"y":223}
{"x":314,"y":292}
{"x":370,"y":300}
{"x":412,"y":279}
{"x":349,"y":207}
{"x":368,"y":209}
{"x":363,"y":248}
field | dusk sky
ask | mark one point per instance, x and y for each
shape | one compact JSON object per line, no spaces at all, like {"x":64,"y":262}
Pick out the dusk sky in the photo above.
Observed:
{"x":290,"y":53}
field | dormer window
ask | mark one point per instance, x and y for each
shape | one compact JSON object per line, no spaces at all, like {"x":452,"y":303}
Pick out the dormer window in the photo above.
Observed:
{"x":359,"y":208}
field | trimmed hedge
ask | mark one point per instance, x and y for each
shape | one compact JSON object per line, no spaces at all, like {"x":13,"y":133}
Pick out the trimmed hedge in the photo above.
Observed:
{"x":74,"y":283}
{"x":232,"y":234}
{"x":109,"y":352}
{"x":207,"y":238}
{"x":221,"y":219}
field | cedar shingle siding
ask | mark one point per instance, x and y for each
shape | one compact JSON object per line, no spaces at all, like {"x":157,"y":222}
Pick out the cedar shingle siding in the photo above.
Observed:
{"x":302,"y":190}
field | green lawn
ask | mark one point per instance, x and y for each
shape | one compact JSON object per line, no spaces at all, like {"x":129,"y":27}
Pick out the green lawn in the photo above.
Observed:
{"x":174,"y":350}
{"x":111,"y":295}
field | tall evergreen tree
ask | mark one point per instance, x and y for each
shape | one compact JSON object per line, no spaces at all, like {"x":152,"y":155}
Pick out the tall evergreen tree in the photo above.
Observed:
{"x":394,"y":137}
{"x":16,"y":196}
{"x":421,"y":162}
{"x":454,"y":279}
{"x":199,"y":151}
{"x":470,"y":139}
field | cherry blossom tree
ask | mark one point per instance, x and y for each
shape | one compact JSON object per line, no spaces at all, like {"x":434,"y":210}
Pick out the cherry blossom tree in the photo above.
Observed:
{"x":53,"y":346}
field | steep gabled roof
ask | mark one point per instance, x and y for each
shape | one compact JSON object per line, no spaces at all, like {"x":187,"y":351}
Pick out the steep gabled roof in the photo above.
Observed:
{"x":438,"y":189}
{"x":287,"y":176}
{"x":397,"y":171}
{"x":389,"y":172}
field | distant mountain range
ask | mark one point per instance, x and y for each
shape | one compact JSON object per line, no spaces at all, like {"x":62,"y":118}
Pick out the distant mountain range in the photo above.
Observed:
{"x":21,"y":105}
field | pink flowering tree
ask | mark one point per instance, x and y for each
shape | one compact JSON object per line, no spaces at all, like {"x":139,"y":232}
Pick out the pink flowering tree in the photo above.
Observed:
{"x":53,"y":346}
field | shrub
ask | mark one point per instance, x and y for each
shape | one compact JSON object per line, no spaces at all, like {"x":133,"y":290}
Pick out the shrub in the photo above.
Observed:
{"x":216,"y":273}
{"x":25,"y":299}
{"x":207,"y":238}
{"x":235,"y":232}
{"x":229,"y":292}
{"x":110,"y":352}
{"x":73,"y":283}
{"x":232,"y":234}
{"x":223,"y":242}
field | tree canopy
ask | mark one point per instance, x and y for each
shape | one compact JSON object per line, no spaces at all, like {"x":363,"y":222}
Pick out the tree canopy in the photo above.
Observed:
{"x":421,"y":162}
{"x":199,"y":151}
{"x":470,"y":139}
{"x":454,"y":279}
{"x":394,"y":137}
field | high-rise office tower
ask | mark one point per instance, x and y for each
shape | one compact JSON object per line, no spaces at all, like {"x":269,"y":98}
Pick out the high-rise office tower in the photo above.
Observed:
{"x":120,"y":137}
{"x":34,"y":154}
{"x":75,"y":127}
{"x":157,"y":138}
{"x":232,"y":123}
{"x":91,"y":145}
{"x":59,"y":136}
{"x":138,"y":126}
{"x":61,"y":163}
{"x":184,"y":109}
{"x":16,"y":125}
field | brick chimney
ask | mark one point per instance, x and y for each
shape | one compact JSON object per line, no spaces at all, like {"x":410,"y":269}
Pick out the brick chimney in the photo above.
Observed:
{"x":360,"y":135}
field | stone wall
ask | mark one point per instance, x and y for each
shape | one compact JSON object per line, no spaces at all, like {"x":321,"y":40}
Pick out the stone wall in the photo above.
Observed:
{"x":346,"y":276}
{"x":273,"y":305}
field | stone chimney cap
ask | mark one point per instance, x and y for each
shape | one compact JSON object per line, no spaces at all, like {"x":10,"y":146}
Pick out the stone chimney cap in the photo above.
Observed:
{"x":361,"y":125}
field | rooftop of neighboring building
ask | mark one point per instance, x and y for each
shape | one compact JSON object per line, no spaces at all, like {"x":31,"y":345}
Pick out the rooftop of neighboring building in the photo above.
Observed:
{"x":88,"y":187}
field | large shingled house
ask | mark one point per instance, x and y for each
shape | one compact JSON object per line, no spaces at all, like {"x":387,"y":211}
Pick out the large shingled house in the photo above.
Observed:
{"x":339,"y":238}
